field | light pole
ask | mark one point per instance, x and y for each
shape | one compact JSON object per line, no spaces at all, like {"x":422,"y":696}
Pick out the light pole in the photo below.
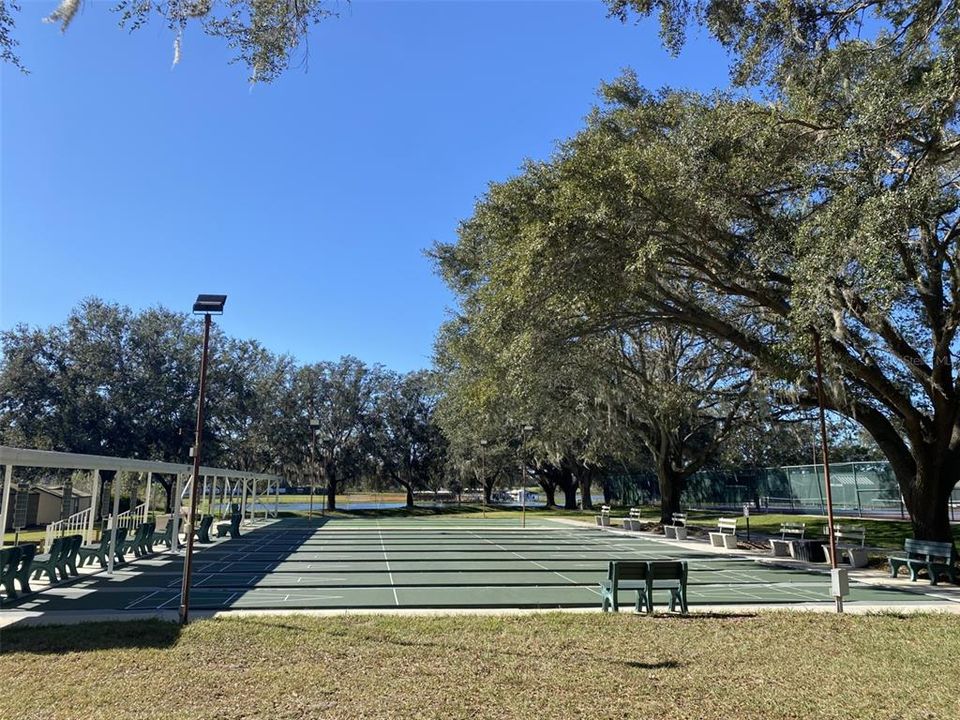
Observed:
{"x":314,"y":429}
{"x":483,"y":476}
{"x":205,"y":305}
{"x":837,"y":576}
{"x":526,"y":431}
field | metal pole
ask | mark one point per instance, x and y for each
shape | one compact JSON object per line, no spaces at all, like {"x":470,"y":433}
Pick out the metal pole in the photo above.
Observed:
{"x":188,"y":558}
{"x":483,"y":477}
{"x":523,"y":497}
{"x":826,"y":460}
{"x":313,"y":461}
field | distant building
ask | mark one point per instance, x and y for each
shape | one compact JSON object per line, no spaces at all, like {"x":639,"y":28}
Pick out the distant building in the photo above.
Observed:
{"x":44,"y":503}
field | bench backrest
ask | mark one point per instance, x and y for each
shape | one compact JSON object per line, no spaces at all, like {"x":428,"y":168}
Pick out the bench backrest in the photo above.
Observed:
{"x":604,"y":509}
{"x":680,"y":519}
{"x":56,"y":547}
{"x":627,"y":570}
{"x":849,"y":533}
{"x":928,"y":549}
{"x":668,"y":570}
{"x":29,"y":551}
{"x":9,"y":560}
{"x":73,"y":546}
{"x":727,"y":525}
{"x":634,"y":513}
{"x":792,"y":528}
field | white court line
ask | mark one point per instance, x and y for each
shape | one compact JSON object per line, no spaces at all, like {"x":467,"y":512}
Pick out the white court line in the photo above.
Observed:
{"x":389,"y":573}
{"x":539,"y":565}
{"x":141,"y":599}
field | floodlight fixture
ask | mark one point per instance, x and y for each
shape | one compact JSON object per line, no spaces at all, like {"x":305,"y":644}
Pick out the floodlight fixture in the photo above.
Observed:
{"x":209,"y":304}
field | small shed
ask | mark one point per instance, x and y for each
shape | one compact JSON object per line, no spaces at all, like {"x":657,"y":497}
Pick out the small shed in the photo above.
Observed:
{"x":44,"y":503}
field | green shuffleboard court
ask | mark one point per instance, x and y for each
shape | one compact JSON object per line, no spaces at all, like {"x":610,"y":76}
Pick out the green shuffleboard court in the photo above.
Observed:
{"x":452,"y":562}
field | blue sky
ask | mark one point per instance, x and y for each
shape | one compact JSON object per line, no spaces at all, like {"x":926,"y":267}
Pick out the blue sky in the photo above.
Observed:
{"x":308,"y":201}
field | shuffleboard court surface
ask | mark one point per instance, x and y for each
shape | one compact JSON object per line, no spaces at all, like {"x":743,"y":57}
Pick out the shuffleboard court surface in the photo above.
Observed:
{"x":445,"y":563}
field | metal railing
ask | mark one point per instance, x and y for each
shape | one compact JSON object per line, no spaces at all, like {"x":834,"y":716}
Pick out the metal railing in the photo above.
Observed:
{"x":72,"y":525}
{"x":131,"y":518}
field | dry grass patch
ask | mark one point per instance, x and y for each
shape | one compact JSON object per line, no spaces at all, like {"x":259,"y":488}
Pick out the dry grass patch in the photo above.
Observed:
{"x":770,"y":666}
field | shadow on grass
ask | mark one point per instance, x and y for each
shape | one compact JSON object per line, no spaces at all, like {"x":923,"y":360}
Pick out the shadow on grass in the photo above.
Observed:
{"x":86,"y":637}
{"x":469,"y":648}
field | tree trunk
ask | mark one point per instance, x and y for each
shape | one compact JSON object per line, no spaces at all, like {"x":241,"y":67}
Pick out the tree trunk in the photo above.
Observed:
{"x":409,"y":489}
{"x":331,"y":493}
{"x":927,"y":497}
{"x":585,"y":477}
{"x":607,"y":495}
{"x":167,"y":486}
{"x":550,"y":491}
{"x":671,"y":489}
{"x":568,"y":484}
{"x":487,"y":491}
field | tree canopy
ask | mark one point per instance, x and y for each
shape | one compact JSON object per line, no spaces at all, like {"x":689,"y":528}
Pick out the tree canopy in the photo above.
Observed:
{"x":264,"y":35}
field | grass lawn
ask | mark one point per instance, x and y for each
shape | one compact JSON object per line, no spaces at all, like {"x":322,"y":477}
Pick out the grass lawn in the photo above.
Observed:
{"x":770,"y":666}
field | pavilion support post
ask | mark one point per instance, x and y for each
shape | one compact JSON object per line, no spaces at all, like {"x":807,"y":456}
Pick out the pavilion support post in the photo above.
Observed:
{"x":146,"y":499}
{"x":94,"y":499}
{"x":253,"y":512}
{"x":5,"y":503}
{"x":203,"y":497}
{"x":175,"y":516}
{"x":243,"y":501}
{"x":276,"y":498}
{"x":113,"y":523}
{"x":214,"y":505}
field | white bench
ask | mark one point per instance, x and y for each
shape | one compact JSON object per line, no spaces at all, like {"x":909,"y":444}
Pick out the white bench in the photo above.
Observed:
{"x":726,"y":534}
{"x":603,"y":519}
{"x":632,"y":521}
{"x":789,"y":531}
{"x":677,"y":531}
{"x":851,"y":542}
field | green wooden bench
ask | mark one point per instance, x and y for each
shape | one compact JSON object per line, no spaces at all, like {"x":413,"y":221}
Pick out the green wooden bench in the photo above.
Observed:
{"x":146,"y":541}
{"x":645,"y":577}
{"x":165,"y":536}
{"x":668,"y":575}
{"x":629,"y":575}
{"x":232,"y":527}
{"x":26,"y":564}
{"x":203,"y":529}
{"x":9,"y":562}
{"x":49,"y":562}
{"x":937,"y":558}
{"x":68,"y":556}
{"x":141,"y":542}
{"x":96,"y":551}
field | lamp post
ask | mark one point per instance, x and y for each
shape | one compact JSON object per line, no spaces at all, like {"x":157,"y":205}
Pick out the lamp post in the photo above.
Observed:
{"x":483,"y":476}
{"x":526,"y":431}
{"x":837,"y":575}
{"x":206,"y":305}
{"x":314,"y":429}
